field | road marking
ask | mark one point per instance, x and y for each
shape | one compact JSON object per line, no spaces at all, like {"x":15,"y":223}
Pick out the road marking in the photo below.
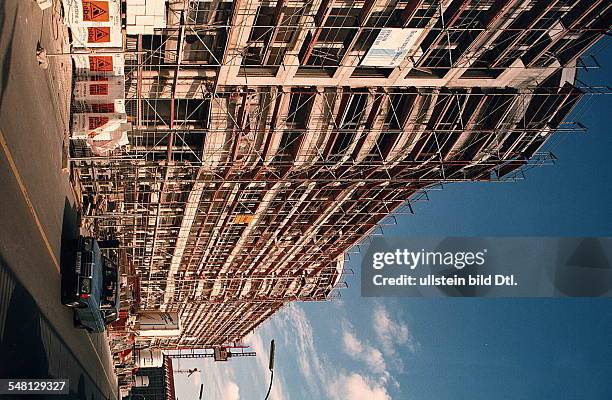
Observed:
{"x":26,"y":196}
{"x":28,"y":201}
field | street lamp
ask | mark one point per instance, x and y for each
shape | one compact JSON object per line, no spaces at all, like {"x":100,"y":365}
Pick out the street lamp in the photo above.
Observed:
{"x":271,"y":367}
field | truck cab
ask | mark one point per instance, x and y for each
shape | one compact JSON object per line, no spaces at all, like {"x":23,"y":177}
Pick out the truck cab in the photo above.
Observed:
{"x":91,"y":286}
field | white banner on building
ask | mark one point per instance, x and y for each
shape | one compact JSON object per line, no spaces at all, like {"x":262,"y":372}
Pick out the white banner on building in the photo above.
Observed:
{"x":99,"y":89}
{"x":99,"y":64}
{"x":93,"y":36}
{"x":92,"y":12}
{"x":90,"y":125}
{"x":391,"y":47}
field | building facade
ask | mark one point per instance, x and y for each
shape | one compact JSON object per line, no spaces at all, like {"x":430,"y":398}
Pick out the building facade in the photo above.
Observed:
{"x":272,"y":136}
{"x":159,"y":383}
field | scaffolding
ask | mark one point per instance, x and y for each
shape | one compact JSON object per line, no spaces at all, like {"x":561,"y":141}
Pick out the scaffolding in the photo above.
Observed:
{"x":263,"y":151}
{"x":323,"y":42}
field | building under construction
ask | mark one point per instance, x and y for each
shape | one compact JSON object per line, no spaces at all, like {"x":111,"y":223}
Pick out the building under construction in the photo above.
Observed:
{"x":270,"y":137}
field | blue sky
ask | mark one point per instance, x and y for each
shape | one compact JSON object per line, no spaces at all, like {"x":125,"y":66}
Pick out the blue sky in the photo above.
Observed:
{"x":378,"y":349}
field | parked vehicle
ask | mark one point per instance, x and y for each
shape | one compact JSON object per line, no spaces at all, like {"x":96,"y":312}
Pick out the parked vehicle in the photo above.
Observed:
{"x":90,"y":286}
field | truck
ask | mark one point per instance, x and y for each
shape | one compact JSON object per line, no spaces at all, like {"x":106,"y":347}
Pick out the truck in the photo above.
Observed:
{"x":90,"y":286}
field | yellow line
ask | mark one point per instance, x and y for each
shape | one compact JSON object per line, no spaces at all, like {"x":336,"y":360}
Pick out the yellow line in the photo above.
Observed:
{"x":24,"y":192}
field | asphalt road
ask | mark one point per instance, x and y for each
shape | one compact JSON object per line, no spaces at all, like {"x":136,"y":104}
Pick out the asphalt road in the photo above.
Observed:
{"x":37,"y":215}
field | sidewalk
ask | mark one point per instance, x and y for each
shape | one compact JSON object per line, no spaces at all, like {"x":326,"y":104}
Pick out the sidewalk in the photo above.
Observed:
{"x":55,"y":40}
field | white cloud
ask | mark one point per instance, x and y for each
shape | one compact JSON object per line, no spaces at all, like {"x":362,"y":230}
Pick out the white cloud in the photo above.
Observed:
{"x":357,"y":387}
{"x":375,"y":360}
{"x":296,"y":325}
{"x":263,"y":358}
{"x":352,"y":345}
{"x":391,"y":332}
{"x":220,"y":383}
{"x":196,"y":379}
{"x":321,"y":378}
{"x":231,"y":391}
{"x":363,"y":352}
{"x":219,"y":380}
{"x":325,"y":380}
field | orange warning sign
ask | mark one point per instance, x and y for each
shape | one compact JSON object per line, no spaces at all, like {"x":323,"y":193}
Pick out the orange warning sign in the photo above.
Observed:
{"x":98,"y":89}
{"x":98,"y":35}
{"x":101,"y":63}
{"x":96,"y":122}
{"x":243,"y":218}
{"x":103,"y":108}
{"x":95,"y":11}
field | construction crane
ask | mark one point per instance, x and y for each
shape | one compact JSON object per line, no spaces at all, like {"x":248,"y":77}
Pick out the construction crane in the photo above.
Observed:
{"x":219,"y":354}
